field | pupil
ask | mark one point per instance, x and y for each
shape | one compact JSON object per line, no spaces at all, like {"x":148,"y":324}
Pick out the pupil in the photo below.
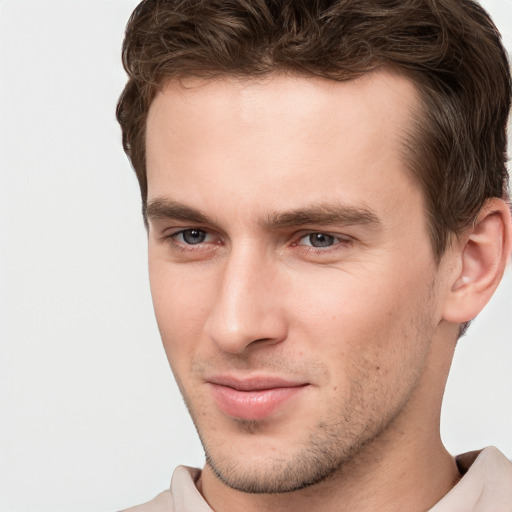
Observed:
{"x":194,"y":236}
{"x":321,"y":240}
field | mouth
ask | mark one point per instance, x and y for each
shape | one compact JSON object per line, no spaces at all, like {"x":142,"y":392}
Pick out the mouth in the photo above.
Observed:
{"x":255,"y":398}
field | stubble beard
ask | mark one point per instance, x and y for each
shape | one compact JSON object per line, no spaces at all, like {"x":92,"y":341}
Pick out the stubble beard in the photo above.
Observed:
{"x":320,"y":458}
{"x":326,"y":452}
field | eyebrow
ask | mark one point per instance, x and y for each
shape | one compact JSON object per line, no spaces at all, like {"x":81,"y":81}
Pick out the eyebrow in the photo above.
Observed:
{"x":319,"y":214}
{"x":324,"y":214}
{"x":165,"y":209}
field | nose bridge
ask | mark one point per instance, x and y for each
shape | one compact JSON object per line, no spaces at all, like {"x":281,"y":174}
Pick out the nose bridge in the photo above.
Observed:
{"x":245,"y":308}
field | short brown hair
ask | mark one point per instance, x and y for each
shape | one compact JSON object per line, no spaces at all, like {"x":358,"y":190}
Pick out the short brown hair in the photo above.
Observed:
{"x":449,"y":48}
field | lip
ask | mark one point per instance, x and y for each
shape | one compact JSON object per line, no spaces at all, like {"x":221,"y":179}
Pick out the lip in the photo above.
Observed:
{"x":255,"y":398}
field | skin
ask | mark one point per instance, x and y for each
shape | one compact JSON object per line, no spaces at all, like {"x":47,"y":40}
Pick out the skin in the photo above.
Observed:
{"x":366,"y":324}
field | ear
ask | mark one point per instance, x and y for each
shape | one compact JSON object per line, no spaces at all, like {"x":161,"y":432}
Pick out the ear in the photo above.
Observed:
{"x":481,"y":255}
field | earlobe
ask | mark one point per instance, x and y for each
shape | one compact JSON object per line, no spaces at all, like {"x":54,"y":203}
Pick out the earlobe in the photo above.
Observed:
{"x":482,"y":257}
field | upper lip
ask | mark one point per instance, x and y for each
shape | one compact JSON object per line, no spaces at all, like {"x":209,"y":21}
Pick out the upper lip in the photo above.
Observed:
{"x":254,"y":383}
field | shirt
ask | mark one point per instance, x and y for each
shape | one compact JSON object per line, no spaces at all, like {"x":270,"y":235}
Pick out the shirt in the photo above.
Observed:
{"x":486,"y":486}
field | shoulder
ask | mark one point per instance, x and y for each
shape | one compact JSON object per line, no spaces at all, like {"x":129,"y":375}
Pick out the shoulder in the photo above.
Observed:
{"x":491,"y":458}
{"x":486,"y":484}
{"x":182,"y":495}
{"x":161,"y":503}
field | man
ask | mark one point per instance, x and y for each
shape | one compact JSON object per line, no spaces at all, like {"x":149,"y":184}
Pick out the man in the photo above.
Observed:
{"x":325,"y":192}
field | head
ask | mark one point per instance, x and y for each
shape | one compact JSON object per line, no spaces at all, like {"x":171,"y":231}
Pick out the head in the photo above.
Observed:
{"x":311,"y":175}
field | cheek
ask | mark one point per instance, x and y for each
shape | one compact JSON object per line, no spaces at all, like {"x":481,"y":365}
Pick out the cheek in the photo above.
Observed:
{"x":336,"y":303}
{"x":181,"y":300}
{"x":369,"y":317}
{"x":373,"y":339}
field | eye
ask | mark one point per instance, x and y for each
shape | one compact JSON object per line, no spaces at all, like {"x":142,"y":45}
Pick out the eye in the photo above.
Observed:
{"x":319,"y":240}
{"x":191,"y":236}
{"x":191,"y":244}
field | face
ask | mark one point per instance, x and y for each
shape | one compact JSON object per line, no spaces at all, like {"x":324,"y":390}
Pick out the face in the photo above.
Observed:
{"x":292,"y":275}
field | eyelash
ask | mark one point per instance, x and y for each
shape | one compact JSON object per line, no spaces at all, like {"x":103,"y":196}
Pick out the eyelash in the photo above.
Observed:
{"x":182,"y":246}
{"x":342,"y":241}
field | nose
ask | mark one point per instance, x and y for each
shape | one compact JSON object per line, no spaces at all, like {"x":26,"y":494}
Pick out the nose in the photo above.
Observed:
{"x":249,"y":303}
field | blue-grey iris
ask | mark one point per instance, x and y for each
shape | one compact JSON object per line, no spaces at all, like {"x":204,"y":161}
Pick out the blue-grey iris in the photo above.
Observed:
{"x":321,"y":240}
{"x":193,"y":236}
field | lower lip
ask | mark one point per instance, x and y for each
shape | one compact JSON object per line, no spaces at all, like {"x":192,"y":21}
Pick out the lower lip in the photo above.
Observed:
{"x":252,"y":405}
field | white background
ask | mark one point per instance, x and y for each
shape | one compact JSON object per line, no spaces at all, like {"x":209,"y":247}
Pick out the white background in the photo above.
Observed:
{"x":90,"y":418}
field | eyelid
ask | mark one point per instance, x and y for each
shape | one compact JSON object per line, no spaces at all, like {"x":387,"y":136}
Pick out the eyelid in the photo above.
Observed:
{"x":183,"y":231}
{"x":170,"y":236}
{"x":341,"y":243}
{"x":338,"y":236}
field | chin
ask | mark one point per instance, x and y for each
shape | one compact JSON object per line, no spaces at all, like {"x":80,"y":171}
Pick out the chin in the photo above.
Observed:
{"x":256,"y":469}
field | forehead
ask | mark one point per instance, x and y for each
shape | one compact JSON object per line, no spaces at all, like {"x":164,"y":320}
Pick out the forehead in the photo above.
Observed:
{"x":271,"y":140}
{"x":381,"y":96}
